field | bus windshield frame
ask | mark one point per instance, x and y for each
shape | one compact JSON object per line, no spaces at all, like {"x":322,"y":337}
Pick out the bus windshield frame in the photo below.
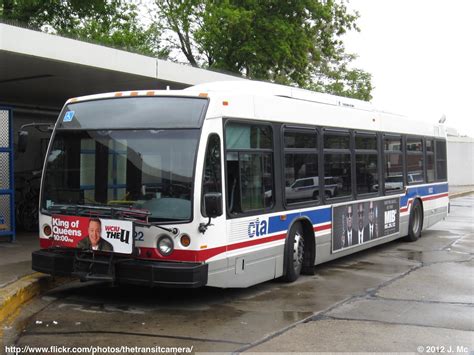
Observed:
{"x":156,"y":142}
{"x":139,"y":112}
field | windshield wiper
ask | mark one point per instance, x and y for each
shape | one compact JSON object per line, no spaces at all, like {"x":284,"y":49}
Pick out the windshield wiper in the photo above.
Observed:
{"x":137,"y":215}
{"x":102,"y":211}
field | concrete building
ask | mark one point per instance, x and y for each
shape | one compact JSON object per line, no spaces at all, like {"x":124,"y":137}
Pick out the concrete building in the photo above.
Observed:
{"x":39,"y":72}
{"x":460,"y":159}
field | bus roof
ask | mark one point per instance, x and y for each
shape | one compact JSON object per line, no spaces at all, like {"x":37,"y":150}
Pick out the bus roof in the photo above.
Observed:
{"x":259,"y":88}
{"x":270,"y":102}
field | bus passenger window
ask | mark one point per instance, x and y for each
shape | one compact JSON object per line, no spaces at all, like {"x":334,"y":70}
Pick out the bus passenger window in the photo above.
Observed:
{"x":256,"y":177}
{"x":414,"y":158}
{"x":301,"y":166}
{"x":367,"y":175}
{"x":249,"y":159}
{"x":393,"y":170}
{"x":430,"y":163}
{"x":367,"y":171}
{"x":337,"y":165}
{"x":337,"y":175}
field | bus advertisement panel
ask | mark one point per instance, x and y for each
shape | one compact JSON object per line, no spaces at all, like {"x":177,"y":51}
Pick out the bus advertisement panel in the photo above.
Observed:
{"x":93,"y":233}
{"x":359,"y":223}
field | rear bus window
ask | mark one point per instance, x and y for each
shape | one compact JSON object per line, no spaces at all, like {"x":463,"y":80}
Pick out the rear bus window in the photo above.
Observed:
{"x":441,"y":167}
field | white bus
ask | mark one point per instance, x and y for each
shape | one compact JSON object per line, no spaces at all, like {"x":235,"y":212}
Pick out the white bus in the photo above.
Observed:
{"x":230,"y":184}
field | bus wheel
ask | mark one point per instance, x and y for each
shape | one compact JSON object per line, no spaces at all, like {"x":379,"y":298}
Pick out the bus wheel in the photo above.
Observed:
{"x":294,"y":253}
{"x":416,"y":221}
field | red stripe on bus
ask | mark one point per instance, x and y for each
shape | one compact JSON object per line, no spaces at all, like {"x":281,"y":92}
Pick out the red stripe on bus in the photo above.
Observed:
{"x":322,"y":227}
{"x":203,"y":255}
{"x":426,"y":198}
{"x":405,"y":209}
{"x":181,"y":255}
{"x":199,"y":255}
{"x":250,"y":243}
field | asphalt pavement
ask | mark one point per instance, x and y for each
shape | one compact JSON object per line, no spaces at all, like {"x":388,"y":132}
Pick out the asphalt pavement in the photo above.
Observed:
{"x":403,"y":297}
{"x":427,"y":309}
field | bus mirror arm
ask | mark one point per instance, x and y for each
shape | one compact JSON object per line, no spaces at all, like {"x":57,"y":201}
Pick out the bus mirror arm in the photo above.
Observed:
{"x":212,"y":207}
{"x":203,"y":227}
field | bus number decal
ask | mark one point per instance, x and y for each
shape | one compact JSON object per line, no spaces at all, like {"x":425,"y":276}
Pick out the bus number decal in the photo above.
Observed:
{"x":138,"y":236}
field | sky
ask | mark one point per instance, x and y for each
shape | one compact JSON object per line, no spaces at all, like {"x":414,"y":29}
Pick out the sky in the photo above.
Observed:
{"x":421,"y":56}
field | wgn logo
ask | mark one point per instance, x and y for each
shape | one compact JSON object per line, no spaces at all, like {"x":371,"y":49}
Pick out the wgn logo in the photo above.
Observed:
{"x":257,"y":228}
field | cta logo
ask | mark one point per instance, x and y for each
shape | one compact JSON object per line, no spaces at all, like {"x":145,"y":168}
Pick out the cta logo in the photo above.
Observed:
{"x":257,"y":228}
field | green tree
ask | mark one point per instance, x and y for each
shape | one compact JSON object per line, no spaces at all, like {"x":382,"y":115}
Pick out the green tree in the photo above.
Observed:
{"x":293,"y":42}
{"x":110,"y":22}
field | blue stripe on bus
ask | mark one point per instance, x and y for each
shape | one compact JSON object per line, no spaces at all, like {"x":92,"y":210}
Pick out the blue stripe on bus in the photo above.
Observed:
{"x":422,"y":191}
{"x":321,"y":215}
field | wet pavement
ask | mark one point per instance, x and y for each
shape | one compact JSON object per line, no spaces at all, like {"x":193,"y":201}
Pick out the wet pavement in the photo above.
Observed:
{"x":395,"y":297}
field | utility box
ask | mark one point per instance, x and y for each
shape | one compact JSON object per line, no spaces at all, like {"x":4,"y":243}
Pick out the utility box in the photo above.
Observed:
{"x":7,"y":191}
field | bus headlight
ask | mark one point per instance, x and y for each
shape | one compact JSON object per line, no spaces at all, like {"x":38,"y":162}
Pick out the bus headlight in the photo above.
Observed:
{"x":47,"y":230}
{"x":165,"y":245}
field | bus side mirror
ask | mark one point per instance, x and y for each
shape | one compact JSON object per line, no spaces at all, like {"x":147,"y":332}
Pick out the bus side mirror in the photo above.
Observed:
{"x":22,"y":141}
{"x":213,"y":204}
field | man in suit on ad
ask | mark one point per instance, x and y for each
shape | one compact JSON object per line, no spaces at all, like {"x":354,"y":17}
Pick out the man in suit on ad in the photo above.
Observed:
{"x":350,"y":235}
{"x":372,"y":226}
{"x":362,"y":231}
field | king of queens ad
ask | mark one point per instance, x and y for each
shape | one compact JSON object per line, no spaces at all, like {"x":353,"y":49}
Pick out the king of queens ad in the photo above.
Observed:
{"x":89,"y":233}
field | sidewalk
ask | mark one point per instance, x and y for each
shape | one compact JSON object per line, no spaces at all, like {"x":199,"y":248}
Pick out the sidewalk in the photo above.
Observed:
{"x":15,"y":258}
{"x":19,"y":283}
{"x":456,"y":191}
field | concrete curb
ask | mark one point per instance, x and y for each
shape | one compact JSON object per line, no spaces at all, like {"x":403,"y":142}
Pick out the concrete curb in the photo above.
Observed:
{"x":16,"y":294}
{"x":460,"y":194}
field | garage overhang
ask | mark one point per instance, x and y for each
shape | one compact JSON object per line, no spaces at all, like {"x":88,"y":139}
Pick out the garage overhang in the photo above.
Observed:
{"x":41,"y":71}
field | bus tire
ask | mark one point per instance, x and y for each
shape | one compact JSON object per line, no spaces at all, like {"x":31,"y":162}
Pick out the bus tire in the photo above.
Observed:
{"x":415,"y":224}
{"x":294,"y":253}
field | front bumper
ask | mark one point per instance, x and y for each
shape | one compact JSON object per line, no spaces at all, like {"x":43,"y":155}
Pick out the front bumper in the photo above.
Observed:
{"x":118,"y":269}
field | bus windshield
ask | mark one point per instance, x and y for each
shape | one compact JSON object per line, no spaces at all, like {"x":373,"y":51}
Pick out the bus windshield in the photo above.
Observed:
{"x":146,"y":169}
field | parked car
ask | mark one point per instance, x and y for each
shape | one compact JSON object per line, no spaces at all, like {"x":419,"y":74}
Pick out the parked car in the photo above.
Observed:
{"x":394,"y":182}
{"x":308,"y":188}
{"x":415,"y":178}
